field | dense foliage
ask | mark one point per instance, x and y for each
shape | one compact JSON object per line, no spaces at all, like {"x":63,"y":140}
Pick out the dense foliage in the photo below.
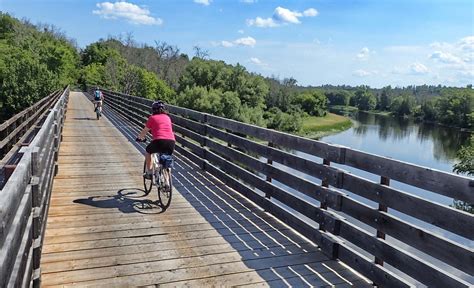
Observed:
{"x":34,"y":61}
{"x":465,"y":166}
{"x":445,"y":105}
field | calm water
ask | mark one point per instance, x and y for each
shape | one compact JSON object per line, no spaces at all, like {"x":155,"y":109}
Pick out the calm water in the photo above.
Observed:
{"x":422,"y":144}
{"x":427,"y":145}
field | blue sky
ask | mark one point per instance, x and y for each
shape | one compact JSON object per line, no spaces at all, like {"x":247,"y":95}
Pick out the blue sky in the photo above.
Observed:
{"x":376,"y":43}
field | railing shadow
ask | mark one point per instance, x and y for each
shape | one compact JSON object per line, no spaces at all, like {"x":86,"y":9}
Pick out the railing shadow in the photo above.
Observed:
{"x":278,"y":255}
{"x":85,"y":118}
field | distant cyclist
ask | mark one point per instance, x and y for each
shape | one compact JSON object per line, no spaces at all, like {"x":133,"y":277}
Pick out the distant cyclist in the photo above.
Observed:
{"x":98,"y":99}
{"x":162,"y":131}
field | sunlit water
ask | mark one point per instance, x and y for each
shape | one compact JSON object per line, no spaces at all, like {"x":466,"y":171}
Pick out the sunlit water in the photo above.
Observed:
{"x":422,"y":144}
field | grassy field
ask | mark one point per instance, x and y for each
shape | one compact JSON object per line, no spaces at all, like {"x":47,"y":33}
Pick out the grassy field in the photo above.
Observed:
{"x":316,"y":127}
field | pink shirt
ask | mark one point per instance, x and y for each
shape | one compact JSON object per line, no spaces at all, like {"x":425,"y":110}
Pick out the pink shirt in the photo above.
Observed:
{"x":161,"y":127}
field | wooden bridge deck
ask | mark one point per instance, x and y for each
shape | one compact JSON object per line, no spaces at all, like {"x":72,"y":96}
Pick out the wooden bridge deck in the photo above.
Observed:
{"x":103,"y":231}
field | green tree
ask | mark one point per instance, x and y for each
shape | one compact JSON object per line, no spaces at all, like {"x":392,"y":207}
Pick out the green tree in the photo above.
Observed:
{"x":313,"y":102}
{"x":465,"y":166}
{"x":287,"y":122}
{"x":338,"y":97}
{"x":385,"y":98}
{"x":403,"y":105}
{"x":34,"y":61}
{"x":364,"y":100}
{"x":455,"y":106}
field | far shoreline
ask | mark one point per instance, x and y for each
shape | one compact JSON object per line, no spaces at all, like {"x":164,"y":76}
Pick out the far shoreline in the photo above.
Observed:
{"x":318,"y":127}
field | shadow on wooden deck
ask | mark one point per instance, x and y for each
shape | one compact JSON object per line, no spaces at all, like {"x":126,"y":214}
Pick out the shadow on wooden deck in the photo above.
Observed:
{"x":265,"y":245}
{"x":127,"y":200}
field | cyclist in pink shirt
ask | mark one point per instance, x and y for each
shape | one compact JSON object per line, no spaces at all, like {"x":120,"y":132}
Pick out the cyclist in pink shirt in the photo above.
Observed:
{"x":162,"y":131}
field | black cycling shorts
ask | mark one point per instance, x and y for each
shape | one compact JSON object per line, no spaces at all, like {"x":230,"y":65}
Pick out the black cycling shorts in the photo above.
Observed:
{"x":161,"y":146}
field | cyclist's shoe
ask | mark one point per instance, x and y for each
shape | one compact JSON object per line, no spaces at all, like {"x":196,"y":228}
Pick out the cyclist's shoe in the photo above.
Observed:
{"x":148,"y":175}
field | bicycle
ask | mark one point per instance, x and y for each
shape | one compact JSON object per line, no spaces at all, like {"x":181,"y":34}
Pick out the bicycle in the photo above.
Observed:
{"x":161,"y":177}
{"x":98,"y":111}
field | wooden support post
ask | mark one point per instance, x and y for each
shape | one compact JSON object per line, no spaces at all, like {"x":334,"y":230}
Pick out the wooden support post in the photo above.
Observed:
{"x":37,"y":221}
{"x":203,"y":143}
{"x":56,"y":147}
{"x":269,"y":162}
{"x":323,"y":205}
{"x":228,"y":144}
{"x":8,"y":171}
{"x":325,"y":183}
{"x":384,"y":181}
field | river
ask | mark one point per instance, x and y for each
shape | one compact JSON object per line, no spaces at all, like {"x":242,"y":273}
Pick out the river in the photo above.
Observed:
{"x":423,"y":144}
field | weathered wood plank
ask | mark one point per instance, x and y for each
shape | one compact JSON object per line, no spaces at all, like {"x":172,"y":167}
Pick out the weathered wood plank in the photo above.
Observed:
{"x":455,"y":186}
{"x":412,"y":265}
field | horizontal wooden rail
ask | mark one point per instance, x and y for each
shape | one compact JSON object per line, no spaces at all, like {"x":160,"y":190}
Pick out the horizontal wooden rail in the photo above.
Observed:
{"x":25,"y":200}
{"x":225,"y":148}
{"x":13,"y":129}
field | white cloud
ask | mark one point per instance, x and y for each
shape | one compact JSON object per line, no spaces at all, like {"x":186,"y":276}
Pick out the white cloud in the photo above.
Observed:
{"x":403,"y":48}
{"x":445,"y":57}
{"x":418,"y":68}
{"x":257,"y":62}
{"x":415,"y":68}
{"x":245,"y":41}
{"x":248,"y":1}
{"x":227,"y":44}
{"x":360,"y":73}
{"x":364,"y":54}
{"x":240,"y":31}
{"x":467,"y":44}
{"x":285,"y":15}
{"x":123,"y":10}
{"x":282,"y":16}
{"x":311,"y":12}
{"x":364,"y":73}
{"x":260,"y":22}
{"x":203,"y":2}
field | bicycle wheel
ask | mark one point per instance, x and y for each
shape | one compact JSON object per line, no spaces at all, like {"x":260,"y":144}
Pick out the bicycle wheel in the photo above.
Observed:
{"x":147,"y":183}
{"x":165,"y":189}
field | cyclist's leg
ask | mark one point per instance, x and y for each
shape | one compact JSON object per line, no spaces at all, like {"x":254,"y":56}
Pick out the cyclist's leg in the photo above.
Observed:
{"x":150,"y":149}
{"x":166,"y":147}
{"x":148,"y":161}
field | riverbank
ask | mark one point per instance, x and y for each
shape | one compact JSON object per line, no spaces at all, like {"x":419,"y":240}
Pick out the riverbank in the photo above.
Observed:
{"x":348,"y":110}
{"x":317,"y":127}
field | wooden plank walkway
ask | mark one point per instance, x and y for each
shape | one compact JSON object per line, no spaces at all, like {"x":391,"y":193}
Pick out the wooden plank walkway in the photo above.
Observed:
{"x":103,"y":231}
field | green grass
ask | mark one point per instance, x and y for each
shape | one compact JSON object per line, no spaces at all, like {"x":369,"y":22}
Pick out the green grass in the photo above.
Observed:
{"x":316,"y":127}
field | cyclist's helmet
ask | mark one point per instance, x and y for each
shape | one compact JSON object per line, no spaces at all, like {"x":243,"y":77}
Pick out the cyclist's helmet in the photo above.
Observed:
{"x":157,"y":106}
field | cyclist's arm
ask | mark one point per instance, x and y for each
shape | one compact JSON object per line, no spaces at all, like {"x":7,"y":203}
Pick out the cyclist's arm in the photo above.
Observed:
{"x":143,"y":133}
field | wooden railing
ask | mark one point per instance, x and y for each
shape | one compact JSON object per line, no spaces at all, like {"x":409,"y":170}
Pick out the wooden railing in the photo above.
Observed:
{"x":25,"y":200}
{"x":18,"y":131}
{"x":365,"y":237}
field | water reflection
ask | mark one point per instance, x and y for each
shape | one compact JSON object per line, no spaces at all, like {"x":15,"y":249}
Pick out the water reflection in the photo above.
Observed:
{"x":387,"y":136}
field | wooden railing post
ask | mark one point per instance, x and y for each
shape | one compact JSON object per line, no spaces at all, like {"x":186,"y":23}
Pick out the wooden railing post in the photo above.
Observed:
{"x":203,"y":143}
{"x":322,"y":204}
{"x":384,"y":181}
{"x":36,"y":211}
{"x":56,"y":142}
{"x":269,"y":162}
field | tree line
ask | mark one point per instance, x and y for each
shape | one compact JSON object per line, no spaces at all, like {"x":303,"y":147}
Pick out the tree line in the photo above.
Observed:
{"x":36,"y":60}
{"x":449,"y":106}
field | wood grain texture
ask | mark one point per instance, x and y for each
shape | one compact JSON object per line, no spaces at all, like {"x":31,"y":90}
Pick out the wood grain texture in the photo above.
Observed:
{"x":102,"y":229}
